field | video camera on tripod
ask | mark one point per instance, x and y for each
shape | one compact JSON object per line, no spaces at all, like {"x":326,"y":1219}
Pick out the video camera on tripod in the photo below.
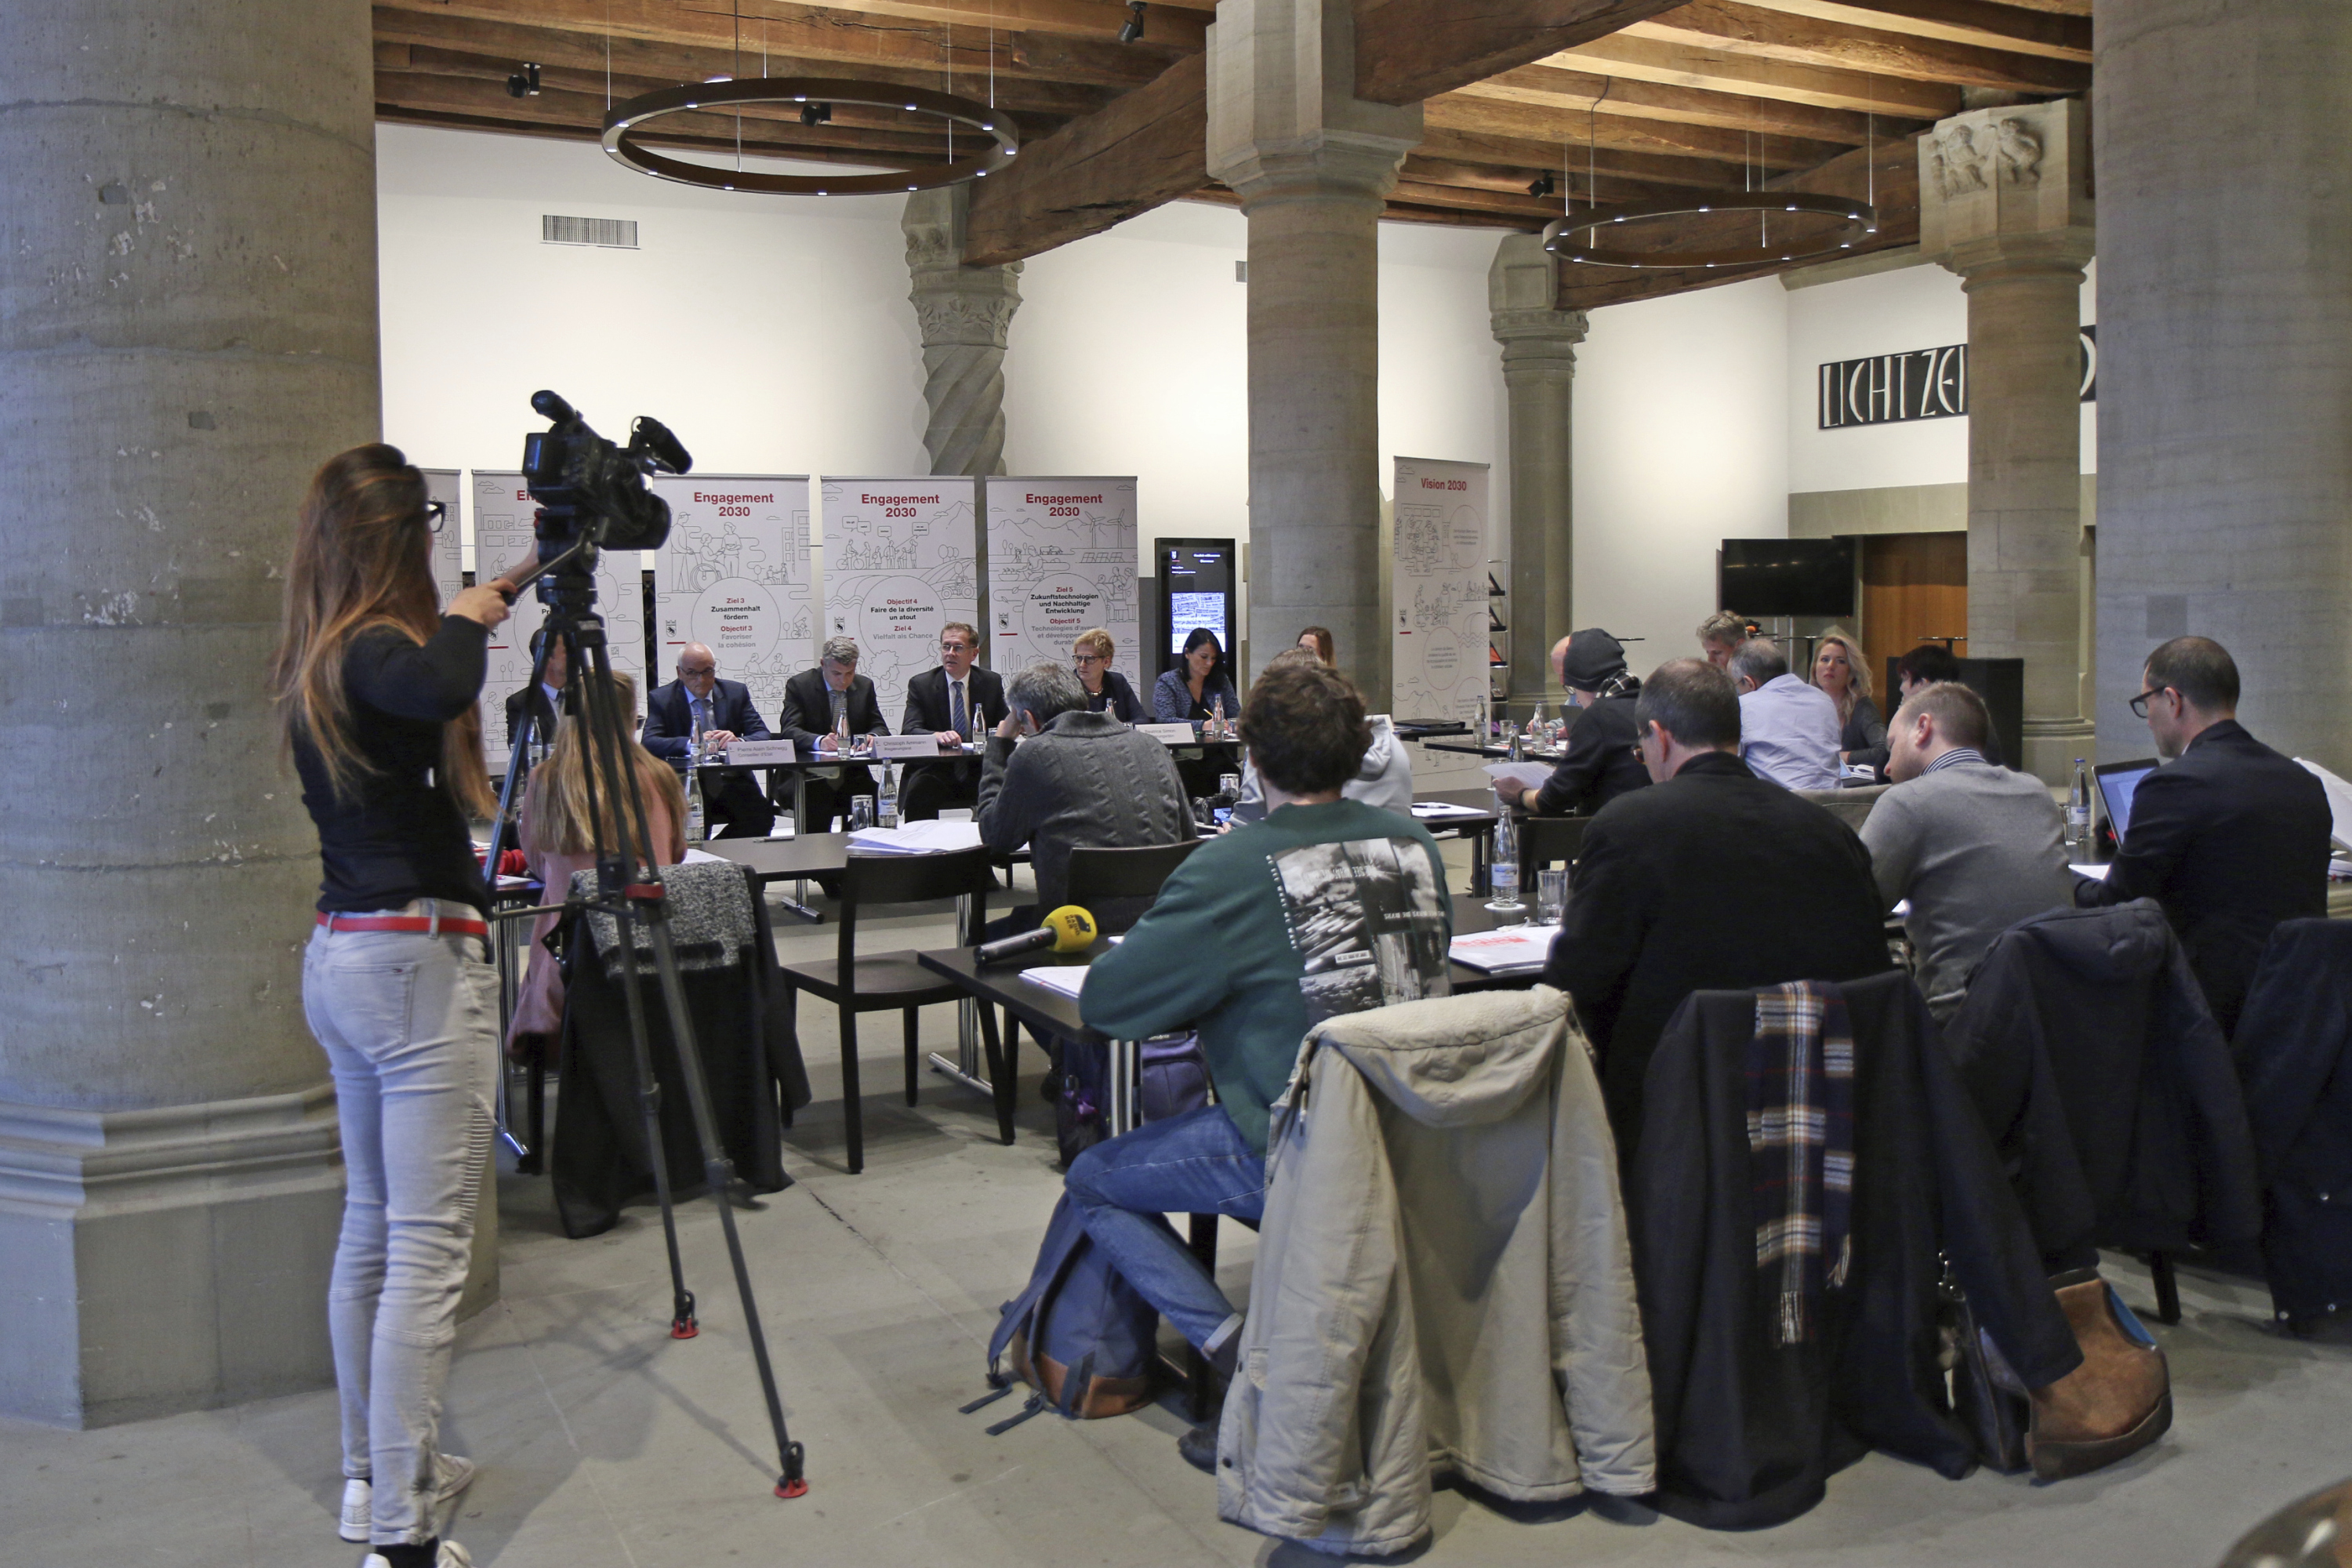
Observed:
{"x":590,"y":490}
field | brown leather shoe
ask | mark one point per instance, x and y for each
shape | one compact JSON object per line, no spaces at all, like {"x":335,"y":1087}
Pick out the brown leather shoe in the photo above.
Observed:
{"x":2116,"y":1403}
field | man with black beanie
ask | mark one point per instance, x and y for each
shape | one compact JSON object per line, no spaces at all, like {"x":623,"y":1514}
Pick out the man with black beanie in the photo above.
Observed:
{"x":1599,"y":764}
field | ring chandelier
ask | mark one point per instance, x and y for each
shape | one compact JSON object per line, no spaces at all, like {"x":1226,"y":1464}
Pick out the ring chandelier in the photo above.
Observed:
{"x":626,"y":124}
{"x":1561,"y":235}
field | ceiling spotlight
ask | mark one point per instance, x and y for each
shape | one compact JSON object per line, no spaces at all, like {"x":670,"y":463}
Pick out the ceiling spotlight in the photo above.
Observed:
{"x":1133,"y":31}
{"x":1542,"y":185}
{"x":816,"y":115}
{"x":524,"y":83}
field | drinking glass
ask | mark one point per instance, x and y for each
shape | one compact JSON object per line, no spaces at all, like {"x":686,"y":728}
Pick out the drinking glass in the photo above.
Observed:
{"x":861,"y":812}
{"x":1552,"y":894}
{"x":1230,"y":784}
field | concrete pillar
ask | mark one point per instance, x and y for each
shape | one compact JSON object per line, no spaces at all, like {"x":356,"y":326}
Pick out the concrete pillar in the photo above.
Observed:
{"x":1312,"y":166}
{"x":2004,"y":203}
{"x":964,"y":313}
{"x":187,"y":328}
{"x":2225,"y":357}
{"x":1539,"y":374}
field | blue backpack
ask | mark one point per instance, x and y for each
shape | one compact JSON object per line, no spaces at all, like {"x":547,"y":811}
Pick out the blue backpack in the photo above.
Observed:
{"x":1078,"y":1335}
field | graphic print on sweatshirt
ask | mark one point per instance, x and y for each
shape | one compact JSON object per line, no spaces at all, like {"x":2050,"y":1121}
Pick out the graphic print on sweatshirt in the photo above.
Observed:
{"x":1368,"y":919}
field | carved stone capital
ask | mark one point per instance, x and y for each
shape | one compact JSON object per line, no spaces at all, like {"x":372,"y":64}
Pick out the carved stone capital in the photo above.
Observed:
{"x":964,"y":314}
{"x":1284,"y":122}
{"x":1998,"y":173}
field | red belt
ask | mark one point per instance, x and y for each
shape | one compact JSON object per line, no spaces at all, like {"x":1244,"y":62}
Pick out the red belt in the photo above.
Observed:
{"x":446,"y":925}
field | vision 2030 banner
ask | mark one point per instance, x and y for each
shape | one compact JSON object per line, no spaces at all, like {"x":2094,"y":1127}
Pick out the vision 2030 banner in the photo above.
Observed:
{"x":1061,"y":561}
{"x":901,"y":559}
{"x":734,"y":576}
{"x":1439,"y":583}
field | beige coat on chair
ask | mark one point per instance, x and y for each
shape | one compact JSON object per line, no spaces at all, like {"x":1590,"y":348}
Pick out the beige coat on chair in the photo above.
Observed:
{"x":1442,"y":1223}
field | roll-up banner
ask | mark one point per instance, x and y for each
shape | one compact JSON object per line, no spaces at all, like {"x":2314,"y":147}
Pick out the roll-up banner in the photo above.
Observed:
{"x":900,"y":560}
{"x":448,"y":486}
{"x":1061,"y":560}
{"x":502,"y":534}
{"x":1439,"y":583}
{"x":734,"y":576}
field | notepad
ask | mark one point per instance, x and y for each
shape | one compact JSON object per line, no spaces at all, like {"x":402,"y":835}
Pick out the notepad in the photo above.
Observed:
{"x":916,"y":838}
{"x":1069,"y":979}
{"x":1499,"y":951}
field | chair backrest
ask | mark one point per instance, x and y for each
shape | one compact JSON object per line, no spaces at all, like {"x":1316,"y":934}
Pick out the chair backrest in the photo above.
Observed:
{"x":1848,"y":806}
{"x":870,"y":879}
{"x":1549,"y":840}
{"x":1096,"y":876}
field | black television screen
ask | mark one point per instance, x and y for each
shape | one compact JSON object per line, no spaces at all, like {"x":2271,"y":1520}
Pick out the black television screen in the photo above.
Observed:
{"x":1786,"y":577}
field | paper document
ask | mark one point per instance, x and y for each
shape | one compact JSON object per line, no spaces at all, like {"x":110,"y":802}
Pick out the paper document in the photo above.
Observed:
{"x":1493,"y":951}
{"x":2097,"y":873}
{"x":916,"y":838}
{"x":1069,"y":979}
{"x":2340,"y":803}
{"x":1519,"y":776}
{"x":1432,"y":810}
{"x":695,"y":857}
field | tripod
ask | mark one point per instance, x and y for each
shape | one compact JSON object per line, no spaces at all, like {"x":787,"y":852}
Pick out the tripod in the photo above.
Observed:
{"x":568,"y":588}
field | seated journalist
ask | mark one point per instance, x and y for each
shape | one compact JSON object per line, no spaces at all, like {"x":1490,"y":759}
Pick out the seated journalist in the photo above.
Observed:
{"x":815,"y":702}
{"x":1974,"y":847}
{"x":699,"y":702}
{"x":1057,"y":777}
{"x":1788,"y":731}
{"x":1840,"y":670}
{"x":1925,"y":665}
{"x":953,"y":702}
{"x":1383,"y":779}
{"x":1261,"y":933}
{"x":1599,"y":764}
{"x":1651,"y":920}
{"x":2230,"y":836}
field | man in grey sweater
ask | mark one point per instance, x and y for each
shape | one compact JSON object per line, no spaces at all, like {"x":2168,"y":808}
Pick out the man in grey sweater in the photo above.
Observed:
{"x":1056,"y":777}
{"x":1974,"y":847}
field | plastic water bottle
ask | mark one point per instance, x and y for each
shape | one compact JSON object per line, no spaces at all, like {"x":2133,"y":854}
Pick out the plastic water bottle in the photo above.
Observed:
{"x":2079,"y":842}
{"x":1502,"y":872}
{"x":885,"y":805}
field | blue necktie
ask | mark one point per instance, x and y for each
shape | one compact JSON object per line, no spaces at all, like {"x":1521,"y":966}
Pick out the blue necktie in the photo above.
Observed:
{"x":961,"y":722}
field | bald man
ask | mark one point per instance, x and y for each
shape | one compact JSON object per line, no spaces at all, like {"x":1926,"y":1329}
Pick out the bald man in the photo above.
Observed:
{"x":697,"y":701}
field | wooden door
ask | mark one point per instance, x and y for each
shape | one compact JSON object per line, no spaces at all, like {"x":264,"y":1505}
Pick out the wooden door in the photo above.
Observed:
{"x":1915,"y":589}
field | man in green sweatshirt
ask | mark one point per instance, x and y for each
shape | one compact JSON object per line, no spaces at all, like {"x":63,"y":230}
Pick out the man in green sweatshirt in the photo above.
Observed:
{"x":1326,"y":906}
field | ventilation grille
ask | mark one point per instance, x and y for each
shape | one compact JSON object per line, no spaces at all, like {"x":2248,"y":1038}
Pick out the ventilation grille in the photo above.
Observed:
{"x":620,"y":233}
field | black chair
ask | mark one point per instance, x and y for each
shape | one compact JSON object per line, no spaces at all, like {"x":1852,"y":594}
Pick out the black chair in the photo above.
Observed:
{"x":888,"y":981}
{"x":1549,"y":841}
{"x":1112,"y":883}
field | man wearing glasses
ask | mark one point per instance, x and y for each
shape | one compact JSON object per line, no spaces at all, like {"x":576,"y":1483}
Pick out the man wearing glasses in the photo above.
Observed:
{"x":699,"y":703}
{"x":2230,"y":836}
{"x":954,"y":702}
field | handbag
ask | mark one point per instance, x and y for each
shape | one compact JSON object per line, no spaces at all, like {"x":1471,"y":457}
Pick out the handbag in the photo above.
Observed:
{"x":1985,"y":1396}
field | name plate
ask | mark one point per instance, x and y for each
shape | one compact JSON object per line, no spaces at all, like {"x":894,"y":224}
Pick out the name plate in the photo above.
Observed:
{"x":1169,"y":734}
{"x":760,"y":753}
{"x":905,"y":748}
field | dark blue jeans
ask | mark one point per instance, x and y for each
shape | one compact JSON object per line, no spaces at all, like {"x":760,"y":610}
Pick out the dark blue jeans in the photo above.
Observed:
{"x":1195,"y":1162}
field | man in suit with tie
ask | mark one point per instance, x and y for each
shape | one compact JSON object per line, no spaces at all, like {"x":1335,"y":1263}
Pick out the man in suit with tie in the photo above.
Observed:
{"x":953,"y":702}
{"x":817,"y":702}
{"x":542,"y":701}
{"x":699,"y":703}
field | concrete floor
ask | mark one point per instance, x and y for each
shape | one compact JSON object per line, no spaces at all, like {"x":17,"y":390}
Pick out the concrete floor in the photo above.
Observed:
{"x":603,"y":1444}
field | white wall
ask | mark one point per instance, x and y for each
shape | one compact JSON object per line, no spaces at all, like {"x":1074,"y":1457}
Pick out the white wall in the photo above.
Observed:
{"x":1681,"y":442}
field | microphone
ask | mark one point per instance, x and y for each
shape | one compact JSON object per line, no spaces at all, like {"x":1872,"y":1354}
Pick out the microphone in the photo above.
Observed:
{"x":1066,"y":929}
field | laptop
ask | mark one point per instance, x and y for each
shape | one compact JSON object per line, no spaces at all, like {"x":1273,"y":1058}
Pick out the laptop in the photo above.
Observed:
{"x":2116,"y":783}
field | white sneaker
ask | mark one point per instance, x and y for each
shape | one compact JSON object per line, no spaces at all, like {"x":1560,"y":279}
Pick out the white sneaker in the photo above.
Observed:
{"x":451,"y":1555}
{"x":454,"y":1473}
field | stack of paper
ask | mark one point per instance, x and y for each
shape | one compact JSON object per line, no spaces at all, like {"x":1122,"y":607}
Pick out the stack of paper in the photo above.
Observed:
{"x":1438,"y":810}
{"x":1519,"y":775}
{"x":695,"y":857}
{"x":916,"y":838}
{"x":1499,"y":951}
{"x":2339,"y":807}
{"x":1068,"y":979}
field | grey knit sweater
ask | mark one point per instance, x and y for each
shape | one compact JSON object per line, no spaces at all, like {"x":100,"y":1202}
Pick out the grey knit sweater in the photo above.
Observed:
{"x":1088,"y":781}
{"x":1975,"y":848}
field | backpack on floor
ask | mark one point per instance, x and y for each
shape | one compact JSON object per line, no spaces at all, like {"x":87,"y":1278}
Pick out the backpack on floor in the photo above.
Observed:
{"x":1079,"y":1334}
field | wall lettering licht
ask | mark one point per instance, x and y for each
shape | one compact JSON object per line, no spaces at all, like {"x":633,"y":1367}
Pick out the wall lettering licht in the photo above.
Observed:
{"x":1925,"y":383}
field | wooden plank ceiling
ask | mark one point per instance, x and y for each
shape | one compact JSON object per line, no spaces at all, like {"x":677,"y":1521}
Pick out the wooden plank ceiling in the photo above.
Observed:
{"x":1613,"y":101}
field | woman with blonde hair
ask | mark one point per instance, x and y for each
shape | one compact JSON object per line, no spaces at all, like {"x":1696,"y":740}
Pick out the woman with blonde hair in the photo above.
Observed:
{"x":376,"y":687}
{"x":557,"y":837}
{"x":1840,"y":669}
{"x":1106,"y":689}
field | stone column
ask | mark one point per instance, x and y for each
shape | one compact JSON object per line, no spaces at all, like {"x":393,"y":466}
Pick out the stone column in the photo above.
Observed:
{"x":1539,"y":374}
{"x":2004,"y":203}
{"x":1312,"y":166}
{"x":964,"y":313}
{"x":187,"y":328}
{"x":2225,"y":357}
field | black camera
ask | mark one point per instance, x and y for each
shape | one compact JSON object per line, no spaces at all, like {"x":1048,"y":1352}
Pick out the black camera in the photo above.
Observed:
{"x":589,"y":489}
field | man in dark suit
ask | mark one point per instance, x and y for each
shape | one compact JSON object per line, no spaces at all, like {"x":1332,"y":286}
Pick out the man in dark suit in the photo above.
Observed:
{"x":699,"y":702}
{"x":1711,"y":880}
{"x":953,"y":702}
{"x":816,"y":701}
{"x":542,"y":701}
{"x":2231,"y":838}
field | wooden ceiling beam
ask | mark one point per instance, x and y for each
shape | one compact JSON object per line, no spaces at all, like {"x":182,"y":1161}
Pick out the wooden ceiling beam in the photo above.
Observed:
{"x":1738,"y":28}
{"x":1623,"y":133}
{"x":1615,"y":169}
{"x":1976,"y":22}
{"x":1409,"y":50}
{"x":1584,"y":91}
{"x":1683,"y":64}
{"x":1171,"y":22}
{"x":1143,"y":150}
{"x":1512,"y":179}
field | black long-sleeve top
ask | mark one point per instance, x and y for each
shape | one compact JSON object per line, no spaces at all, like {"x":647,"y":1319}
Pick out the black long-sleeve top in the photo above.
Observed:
{"x":1600,"y":764}
{"x":398,"y":834}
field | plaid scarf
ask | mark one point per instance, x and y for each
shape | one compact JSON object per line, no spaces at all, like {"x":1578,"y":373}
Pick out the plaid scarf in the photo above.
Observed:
{"x":1801,"y":1148}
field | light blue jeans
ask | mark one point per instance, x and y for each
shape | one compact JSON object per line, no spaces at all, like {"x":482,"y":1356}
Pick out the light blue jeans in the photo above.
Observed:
{"x":1195,"y":1162}
{"x":409,"y":1022}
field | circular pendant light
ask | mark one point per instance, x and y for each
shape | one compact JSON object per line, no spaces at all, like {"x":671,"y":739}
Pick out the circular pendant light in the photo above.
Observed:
{"x":627,"y":123}
{"x":1582,"y":239}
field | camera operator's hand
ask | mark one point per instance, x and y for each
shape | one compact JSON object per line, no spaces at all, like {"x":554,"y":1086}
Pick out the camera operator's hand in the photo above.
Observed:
{"x":483,"y":604}
{"x":518,"y":577}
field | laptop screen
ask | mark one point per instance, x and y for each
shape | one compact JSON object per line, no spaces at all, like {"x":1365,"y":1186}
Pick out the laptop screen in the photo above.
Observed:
{"x":2118,"y":781}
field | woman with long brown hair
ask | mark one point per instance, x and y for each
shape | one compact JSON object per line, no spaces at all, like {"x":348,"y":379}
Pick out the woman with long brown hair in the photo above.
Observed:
{"x":375,"y":689}
{"x":557,"y":836}
{"x":1840,"y":669}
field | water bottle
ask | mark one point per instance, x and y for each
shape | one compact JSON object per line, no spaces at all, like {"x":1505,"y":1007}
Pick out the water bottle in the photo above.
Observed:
{"x":886,"y":805}
{"x":697,"y":825}
{"x":2079,"y":842}
{"x":841,"y":732}
{"x":1502,"y":872}
{"x":1538,"y":731}
{"x":1217,"y":718}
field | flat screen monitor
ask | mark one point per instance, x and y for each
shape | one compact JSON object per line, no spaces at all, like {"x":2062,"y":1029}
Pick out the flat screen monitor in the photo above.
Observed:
{"x":1197,"y":587}
{"x":2118,"y":781}
{"x":1786,"y":577}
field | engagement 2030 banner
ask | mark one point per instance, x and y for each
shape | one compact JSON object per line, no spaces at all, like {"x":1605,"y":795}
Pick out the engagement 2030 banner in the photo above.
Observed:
{"x":901,"y":558}
{"x":734,"y":576}
{"x":1061,"y":560}
{"x":502,"y":535}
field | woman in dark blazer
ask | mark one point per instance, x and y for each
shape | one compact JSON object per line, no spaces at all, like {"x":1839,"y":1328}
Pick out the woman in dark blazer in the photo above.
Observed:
{"x":1840,"y":669}
{"x":1106,"y":689}
{"x":1190,"y":691}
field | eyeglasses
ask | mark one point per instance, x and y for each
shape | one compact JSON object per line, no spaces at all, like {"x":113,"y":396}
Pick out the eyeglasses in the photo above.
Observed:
{"x":2139,"y":703}
{"x":1090,"y":658}
{"x":436,"y":513}
{"x":686,"y":674}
